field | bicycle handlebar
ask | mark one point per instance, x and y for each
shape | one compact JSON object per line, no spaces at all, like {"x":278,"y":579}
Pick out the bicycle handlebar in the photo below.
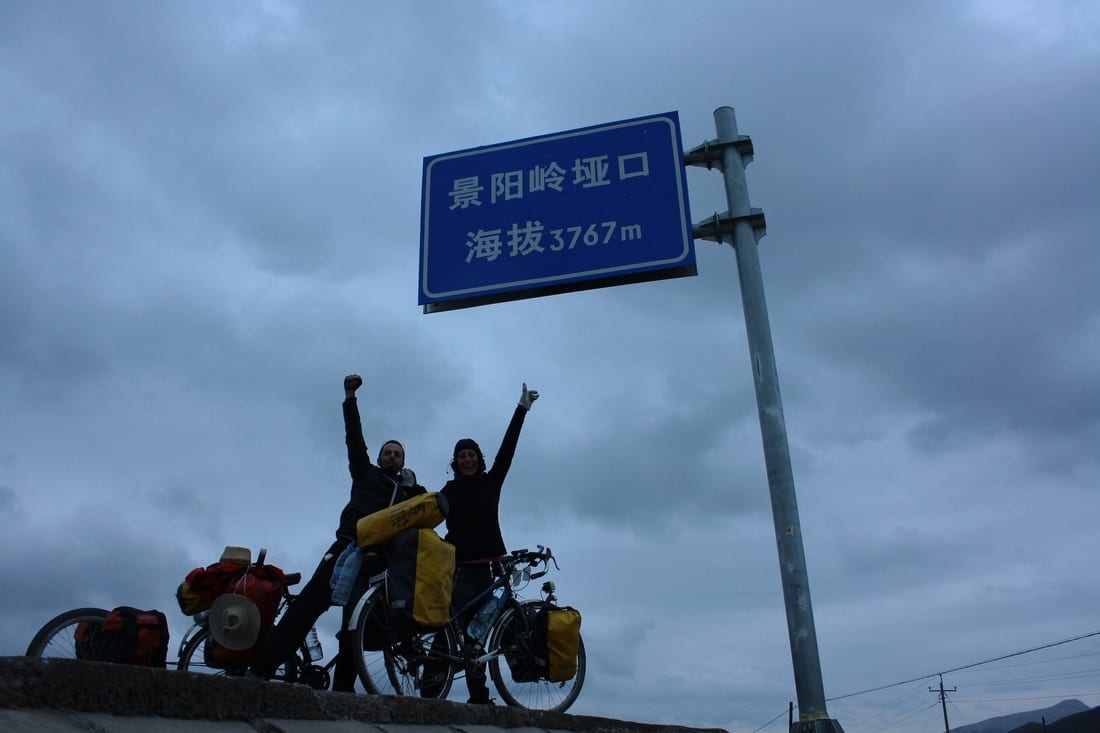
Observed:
{"x":543,"y":556}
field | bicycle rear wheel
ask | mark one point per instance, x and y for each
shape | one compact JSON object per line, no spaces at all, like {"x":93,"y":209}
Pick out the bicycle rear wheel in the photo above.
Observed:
{"x":511,"y":648}
{"x":193,"y":658}
{"x":58,"y":638}
{"x":199,"y":656}
{"x":396,"y":662}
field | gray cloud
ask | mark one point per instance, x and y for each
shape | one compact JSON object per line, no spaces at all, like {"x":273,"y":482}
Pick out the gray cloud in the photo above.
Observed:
{"x":209,"y":214}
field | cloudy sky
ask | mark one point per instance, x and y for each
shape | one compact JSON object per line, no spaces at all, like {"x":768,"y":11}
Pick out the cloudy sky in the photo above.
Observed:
{"x":209,"y":214}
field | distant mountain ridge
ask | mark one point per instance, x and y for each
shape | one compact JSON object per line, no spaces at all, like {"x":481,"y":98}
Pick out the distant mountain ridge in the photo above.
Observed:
{"x":1012,"y":723}
{"x":1086,"y":722}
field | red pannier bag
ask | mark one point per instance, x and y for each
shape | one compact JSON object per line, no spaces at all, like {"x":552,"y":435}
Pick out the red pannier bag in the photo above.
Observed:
{"x":263,"y":585}
{"x":127,"y":636}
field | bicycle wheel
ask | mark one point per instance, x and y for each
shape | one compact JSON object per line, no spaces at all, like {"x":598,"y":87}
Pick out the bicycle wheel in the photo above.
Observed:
{"x":199,"y":655}
{"x":193,"y":657}
{"x":58,"y":638}
{"x":393,"y":662}
{"x":510,"y":646}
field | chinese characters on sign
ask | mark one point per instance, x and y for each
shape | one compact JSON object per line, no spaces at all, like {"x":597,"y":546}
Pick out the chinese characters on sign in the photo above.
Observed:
{"x":526,"y":239}
{"x":509,"y":184}
{"x":569,"y":211}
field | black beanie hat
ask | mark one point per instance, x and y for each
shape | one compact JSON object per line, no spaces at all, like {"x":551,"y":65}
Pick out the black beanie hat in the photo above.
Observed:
{"x":395,"y":442}
{"x":469,"y":444}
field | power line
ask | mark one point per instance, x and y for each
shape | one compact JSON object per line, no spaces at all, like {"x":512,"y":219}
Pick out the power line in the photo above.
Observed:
{"x":959,"y":669}
{"x":893,"y":711}
{"x":1059,"y":676}
{"x":966,"y":666}
{"x":906,"y":716}
{"x":1025,"y":651}
{"x":1052,"y":660}
{"x":1063,"y":696}
{"x":777,"y":717}
{"x":882,"y":687}
{"x":958,"y":710}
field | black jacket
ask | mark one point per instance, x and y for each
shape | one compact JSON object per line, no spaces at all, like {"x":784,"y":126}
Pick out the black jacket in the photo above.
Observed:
{"x":372,"y":488}
{"x":473,"y":519}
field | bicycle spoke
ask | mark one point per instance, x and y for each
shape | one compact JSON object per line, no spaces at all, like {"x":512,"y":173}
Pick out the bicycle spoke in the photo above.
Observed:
{"x":398,"y":662}
{"x":58,"y":638}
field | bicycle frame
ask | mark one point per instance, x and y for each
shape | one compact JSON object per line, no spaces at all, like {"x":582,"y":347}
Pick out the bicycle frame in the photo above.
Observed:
{"x":425,"y":662}
{"x":201,"y":621}
{"x":375,"y":583}
{"x":507,"y":582}
{"x":476,"y":603}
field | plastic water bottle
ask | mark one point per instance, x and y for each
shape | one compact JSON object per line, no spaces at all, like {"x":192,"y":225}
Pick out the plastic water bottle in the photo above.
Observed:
{"x":349,"y":571}
{"x":339,"y":564}
{"x":479,"y":626}
{"x":316,"y":653}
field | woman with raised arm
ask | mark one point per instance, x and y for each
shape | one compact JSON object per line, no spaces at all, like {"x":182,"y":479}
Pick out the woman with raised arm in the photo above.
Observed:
{"x":473,"y":522}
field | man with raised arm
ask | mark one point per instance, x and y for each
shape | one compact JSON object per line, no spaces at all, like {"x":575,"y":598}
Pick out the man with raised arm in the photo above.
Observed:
{"x":373,"y":487}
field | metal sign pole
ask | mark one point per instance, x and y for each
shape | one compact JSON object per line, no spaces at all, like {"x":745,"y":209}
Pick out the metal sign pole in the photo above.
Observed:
{"x":743,"y":225}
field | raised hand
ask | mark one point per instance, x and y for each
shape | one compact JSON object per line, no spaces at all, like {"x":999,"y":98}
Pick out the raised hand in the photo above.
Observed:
{"x":527,"y":397}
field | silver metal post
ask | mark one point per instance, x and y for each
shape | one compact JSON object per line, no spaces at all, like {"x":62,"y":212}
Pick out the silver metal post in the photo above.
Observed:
{"x":744,"y":221}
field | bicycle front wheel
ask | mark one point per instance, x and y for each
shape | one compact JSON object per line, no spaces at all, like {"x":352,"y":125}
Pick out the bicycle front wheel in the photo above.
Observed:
{"x":68,"y":635}
{"x":394,"y":661}
{"x":513,"y":669}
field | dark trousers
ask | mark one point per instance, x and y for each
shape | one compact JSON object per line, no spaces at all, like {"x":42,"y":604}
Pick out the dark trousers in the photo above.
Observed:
{"x":469,"y":581}
{"x":312,"y":601}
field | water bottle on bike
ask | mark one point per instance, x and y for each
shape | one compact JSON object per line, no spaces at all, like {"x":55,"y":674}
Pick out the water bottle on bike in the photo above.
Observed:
{"x":479,"y":626}
{"x":344,"y":574}
{"x":313,"y":643}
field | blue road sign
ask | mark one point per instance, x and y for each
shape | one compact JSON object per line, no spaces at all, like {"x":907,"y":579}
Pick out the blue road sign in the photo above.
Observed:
{"x":601,"y":205}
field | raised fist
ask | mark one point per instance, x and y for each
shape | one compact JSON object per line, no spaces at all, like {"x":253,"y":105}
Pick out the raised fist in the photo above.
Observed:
{"x":352,"y":382}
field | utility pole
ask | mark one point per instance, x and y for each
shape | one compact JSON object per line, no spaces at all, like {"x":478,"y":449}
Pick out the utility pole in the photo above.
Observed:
{"x":943,"y":702}
{"x":742,"y":226}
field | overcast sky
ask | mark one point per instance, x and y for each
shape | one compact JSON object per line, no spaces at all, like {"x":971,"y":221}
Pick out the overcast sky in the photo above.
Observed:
{"x":209,"y":214}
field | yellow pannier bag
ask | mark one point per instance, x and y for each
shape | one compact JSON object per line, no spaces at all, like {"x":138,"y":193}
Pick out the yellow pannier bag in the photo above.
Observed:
{"x":420,"y":580}
{"x":563,"y":633}
{"x":423,"y":511}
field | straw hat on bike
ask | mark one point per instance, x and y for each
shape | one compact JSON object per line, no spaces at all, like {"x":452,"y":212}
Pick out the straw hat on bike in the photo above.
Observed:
{"x":235,"y":621}
{"x":240,"y":555}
